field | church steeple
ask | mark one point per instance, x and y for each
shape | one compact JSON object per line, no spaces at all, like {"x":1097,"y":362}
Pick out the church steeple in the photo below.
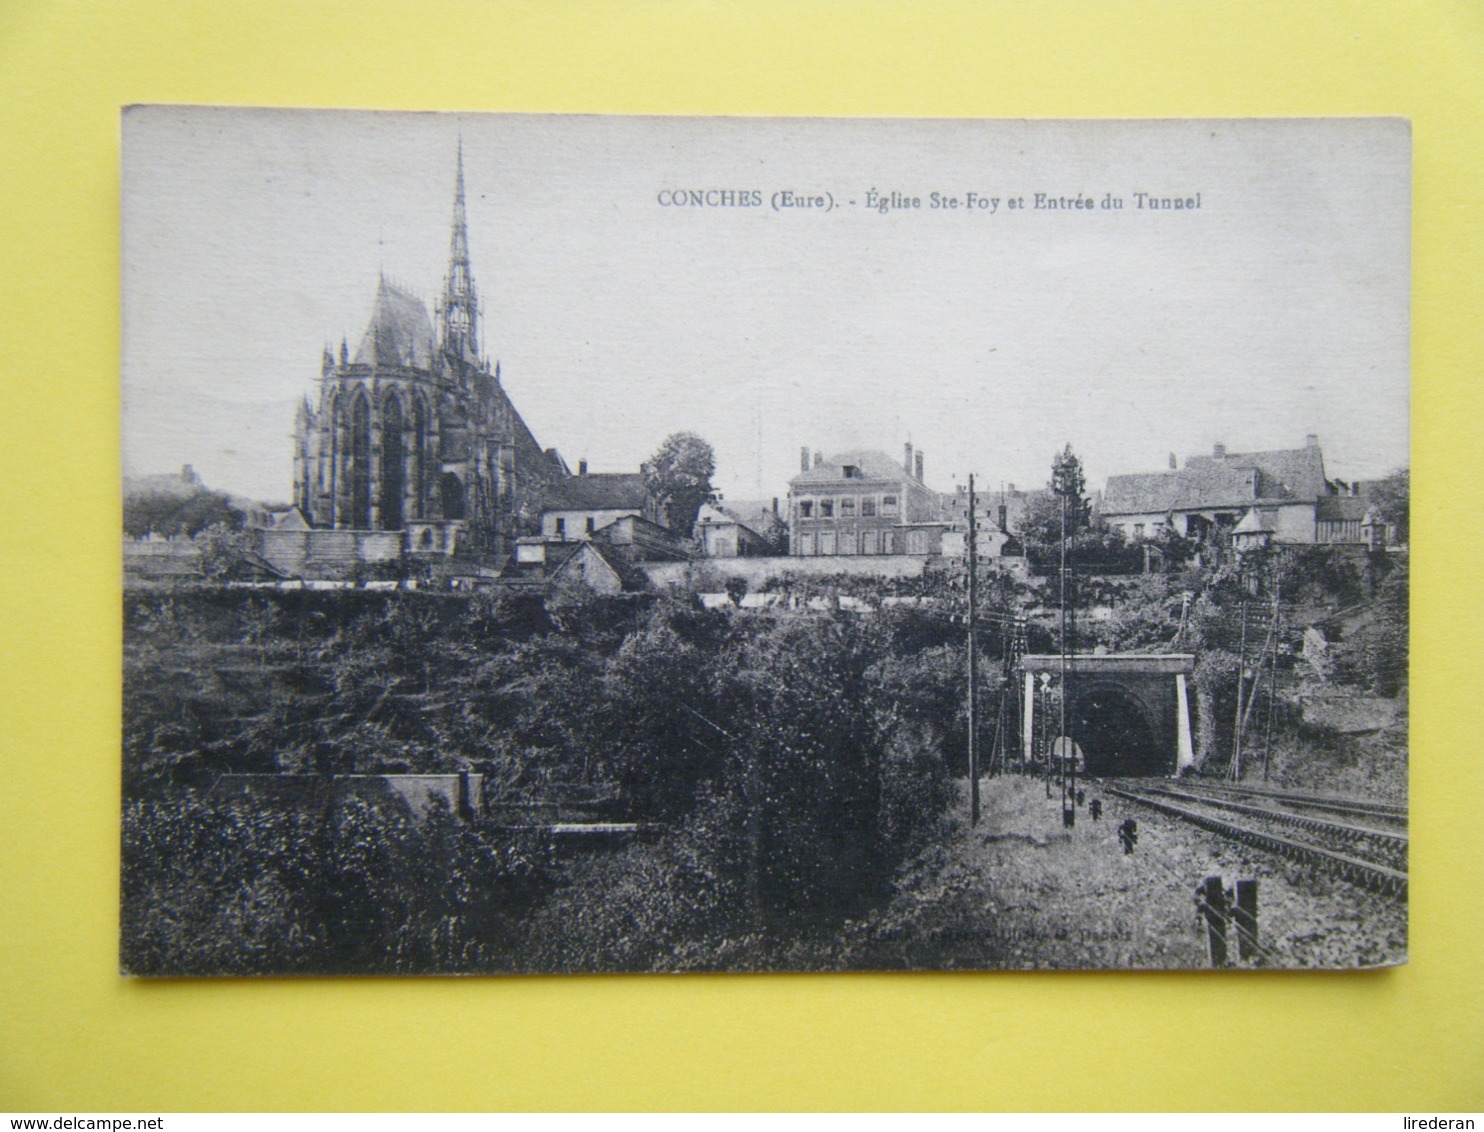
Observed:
{"x":459,"y":308}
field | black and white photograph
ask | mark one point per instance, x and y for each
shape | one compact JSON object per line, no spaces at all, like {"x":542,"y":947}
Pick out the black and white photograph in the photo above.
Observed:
{"x":587,"y":544}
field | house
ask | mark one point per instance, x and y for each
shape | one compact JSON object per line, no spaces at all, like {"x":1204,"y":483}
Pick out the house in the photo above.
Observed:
{"x":1257,"y":498}
{"x":863,"y":503}
{"x":575,"y":508}
{"x":740,"y":529}
{"x":538,"y":563}
{"x":999,"y":518}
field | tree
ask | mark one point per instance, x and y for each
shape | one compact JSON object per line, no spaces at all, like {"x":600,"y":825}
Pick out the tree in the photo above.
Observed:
{"x":222,"y":547}
{"x":163,"y":513}
{"x":1393,"y":498}
{"x":1068,"y":482}
{"x":678,"y":478}
{"x":1042,"y":526}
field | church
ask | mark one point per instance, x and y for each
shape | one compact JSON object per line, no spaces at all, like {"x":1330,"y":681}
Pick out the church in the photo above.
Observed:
{"x":410,"y":445}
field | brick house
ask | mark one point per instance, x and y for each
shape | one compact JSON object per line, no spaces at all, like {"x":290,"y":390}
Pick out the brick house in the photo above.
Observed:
{"x":863,"y":503}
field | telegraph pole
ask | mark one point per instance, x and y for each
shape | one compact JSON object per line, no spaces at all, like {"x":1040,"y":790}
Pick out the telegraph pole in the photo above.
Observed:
{"x":1068,"y":812}
{"x":973,"y":555}
{"x":1234,"y":770}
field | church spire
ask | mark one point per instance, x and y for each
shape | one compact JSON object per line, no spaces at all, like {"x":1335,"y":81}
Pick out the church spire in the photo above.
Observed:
{"x":460,"y":305}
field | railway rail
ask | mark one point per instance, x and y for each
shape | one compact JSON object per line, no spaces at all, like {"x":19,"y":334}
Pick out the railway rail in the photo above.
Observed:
{"x":1340,"y":806}
{"x":1389,"y":843}
{"x":1367,"y":874}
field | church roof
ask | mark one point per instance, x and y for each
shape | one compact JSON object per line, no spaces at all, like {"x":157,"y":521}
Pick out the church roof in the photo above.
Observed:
{"x":400,"y":332}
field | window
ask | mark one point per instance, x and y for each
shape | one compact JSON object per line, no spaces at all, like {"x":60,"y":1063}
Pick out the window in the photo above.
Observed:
{"x":868,"y":508}
{"x":888,"y":504}
{"x":852,"y":472}
{"x":826,"y":508}
{"x":869,"y":542}
{"x":1138,"y":530}
{"x":806,"y":508}
{"x":847,"y":507}
{"x":589,"y":524}
{"x":827,"y":542}
{"x":561,"y":528}
{"x":806,"y":544}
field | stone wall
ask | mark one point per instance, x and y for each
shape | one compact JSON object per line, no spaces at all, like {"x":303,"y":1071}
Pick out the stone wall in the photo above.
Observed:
{"x":712,"y":573}
{"x":327,"y":553}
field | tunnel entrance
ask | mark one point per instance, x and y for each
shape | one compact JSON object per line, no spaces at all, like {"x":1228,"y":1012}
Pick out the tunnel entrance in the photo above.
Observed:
{"x":1126,"y":711}
{"x":1116,"y":735}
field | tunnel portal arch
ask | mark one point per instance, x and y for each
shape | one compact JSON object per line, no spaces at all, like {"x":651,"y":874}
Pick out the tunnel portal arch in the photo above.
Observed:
{"x":1127,"y":712}
{"x":1116,"y":731}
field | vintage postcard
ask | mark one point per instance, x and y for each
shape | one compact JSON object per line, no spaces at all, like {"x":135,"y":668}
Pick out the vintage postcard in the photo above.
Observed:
{"x":582,"y":544}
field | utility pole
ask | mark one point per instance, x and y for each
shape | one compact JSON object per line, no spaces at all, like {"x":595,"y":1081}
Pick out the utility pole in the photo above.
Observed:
{"x":1234,"y":771}
{"x":1267,"y":746}
{"x":1063,"y":743}
{"x":973,"y":555}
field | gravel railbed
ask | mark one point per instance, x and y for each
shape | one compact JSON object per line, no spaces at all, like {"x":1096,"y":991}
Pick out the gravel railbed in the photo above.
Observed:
{"x":1022,"y":891}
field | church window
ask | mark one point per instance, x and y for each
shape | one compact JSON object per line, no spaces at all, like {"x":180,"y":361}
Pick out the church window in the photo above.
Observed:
{"x":393,"y":465}
{"x":419,"y":459}
{"x":360,"y":464}
{"x":451,"y":489}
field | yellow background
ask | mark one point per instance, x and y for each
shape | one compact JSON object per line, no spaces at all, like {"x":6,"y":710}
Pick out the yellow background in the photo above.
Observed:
{"x":75,"y":1036}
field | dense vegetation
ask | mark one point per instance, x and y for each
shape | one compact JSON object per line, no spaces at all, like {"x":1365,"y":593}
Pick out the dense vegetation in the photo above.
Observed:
{"x":787,"y":765}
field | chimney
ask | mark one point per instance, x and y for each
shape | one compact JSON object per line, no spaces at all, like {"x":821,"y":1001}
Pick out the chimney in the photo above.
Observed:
{"x":1312,"y":440}
{"x":804,"y":458}
{"x":1004,"y":518}
{"x":775,"y":505}
{"x":1173,"y":465}
{"x":582,"y":467}
{"x":1219,"y":451}
{"x":919,"y":466}
{"x":907,"y":457}
{"x":818,"y":457}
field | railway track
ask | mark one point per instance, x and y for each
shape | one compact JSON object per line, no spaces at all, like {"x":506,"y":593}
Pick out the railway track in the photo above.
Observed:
{"x":1339,"y":806}
{"x":1368,"y":874}
{"x":1388,"y":847}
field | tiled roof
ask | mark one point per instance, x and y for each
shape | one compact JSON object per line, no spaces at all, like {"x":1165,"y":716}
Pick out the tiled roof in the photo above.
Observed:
{"x":1236,"y":479}
{"x":601,"y":491}
{"x":400,"y":332}
{"x":756,"y":515}
{"x":873,"y":465}
{"x":1141,"y":492}
{"x":1341,"y":508}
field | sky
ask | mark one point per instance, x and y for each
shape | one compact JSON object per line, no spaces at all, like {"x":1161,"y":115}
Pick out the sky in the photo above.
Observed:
{"x":987,"y":336}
